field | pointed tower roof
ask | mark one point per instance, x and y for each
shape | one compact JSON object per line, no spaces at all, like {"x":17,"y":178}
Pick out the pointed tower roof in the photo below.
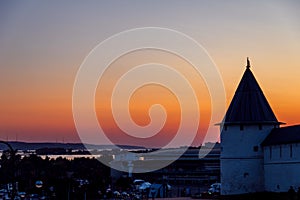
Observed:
{"x":249,"y":105}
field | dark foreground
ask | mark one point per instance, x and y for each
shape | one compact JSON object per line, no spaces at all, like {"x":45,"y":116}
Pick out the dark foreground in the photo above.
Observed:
{"x":256,"y":196}
{"x":259,"y":196}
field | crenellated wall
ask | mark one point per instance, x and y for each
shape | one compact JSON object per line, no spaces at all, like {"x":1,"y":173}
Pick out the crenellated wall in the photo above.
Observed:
{"x":282,"y":167}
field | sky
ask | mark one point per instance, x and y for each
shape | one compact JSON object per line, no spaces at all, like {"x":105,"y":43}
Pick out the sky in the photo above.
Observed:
{"x":44,"y":43}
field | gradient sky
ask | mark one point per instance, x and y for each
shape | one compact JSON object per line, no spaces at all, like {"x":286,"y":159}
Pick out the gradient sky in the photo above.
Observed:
{"x":43,"y":43}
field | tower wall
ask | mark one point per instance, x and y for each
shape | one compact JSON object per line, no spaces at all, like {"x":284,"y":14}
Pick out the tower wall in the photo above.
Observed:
{"x":242,"y":169}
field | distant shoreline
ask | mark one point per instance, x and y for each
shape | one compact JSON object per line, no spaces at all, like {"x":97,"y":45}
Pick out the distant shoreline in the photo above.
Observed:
{"x":78,"y":146}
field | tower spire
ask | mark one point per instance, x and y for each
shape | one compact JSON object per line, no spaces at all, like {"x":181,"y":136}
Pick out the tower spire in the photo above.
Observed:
{"x":248,"y":63}
{"x":249,"y":105}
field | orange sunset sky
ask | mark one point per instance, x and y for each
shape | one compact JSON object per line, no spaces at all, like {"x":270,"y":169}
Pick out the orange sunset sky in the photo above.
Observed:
{"x":43,"y":44}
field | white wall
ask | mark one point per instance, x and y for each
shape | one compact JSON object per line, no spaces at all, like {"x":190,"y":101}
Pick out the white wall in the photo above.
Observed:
{"x":239,"y":143}
{"x":239,"y":176}
{"x":242,"y":169}
{"x":283,"y":171}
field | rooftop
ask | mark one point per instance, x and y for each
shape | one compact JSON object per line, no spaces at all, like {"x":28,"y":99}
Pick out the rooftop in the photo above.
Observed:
{"x":284,"y":135}
{"x":249,"y":105}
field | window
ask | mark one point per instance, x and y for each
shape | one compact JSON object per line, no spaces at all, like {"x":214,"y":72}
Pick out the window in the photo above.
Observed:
{"x":280,"y":151}
{"x":270,"y":152}
{"x":291,"y":150}
{"x":246,"y":174}
{"x":241,"y":127}
{"x":255,"y":148}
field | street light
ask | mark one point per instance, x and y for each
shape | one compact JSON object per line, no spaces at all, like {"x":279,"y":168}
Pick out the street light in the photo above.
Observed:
{"x":39,"y":184}
{"x":165,"y":186}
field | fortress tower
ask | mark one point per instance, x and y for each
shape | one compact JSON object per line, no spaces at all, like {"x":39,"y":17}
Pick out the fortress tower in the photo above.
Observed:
{"x":248,"y":121}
